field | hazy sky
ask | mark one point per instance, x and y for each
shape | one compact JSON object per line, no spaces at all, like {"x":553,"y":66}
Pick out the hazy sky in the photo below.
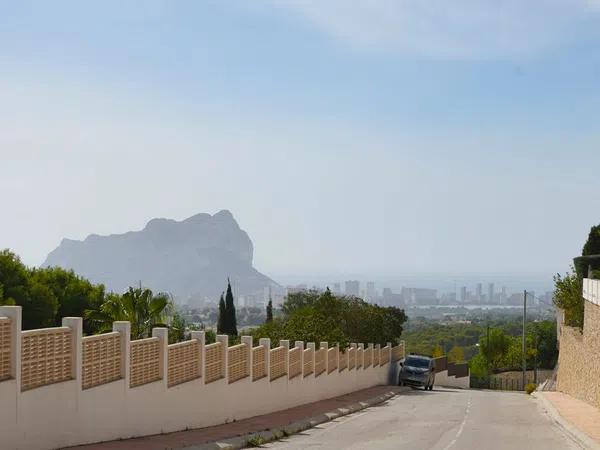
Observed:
{"x":365,"y":137}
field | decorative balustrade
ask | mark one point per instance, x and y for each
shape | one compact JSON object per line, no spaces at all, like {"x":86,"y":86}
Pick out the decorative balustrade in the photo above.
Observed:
{"x":91,"y":375}
{"x":309,"y":361}
{"x":320,"y":361}
{"x":343,"y":361}
{"x":5,"y":345}
{"x":385,"y":355}
{"x":259,"y":366}
{"x":360,"y":357}
{"x":238,"y":363}
{"x":46,"y":357}
{"x":398,"y":352}
{"x":50,"y":356}
{"x":100,"y":359}
{"x":332,"y":355}
{"x":278,"y":362}
{"x":185,"y":362}
{"x":144,"y":361}
{"x":295,"y":362}
{"x":215,"y":367}
{"x":351,"y":358}
{"x":368,"y":357}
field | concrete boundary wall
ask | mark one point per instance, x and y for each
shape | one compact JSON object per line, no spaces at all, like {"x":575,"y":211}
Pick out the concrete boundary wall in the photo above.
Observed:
{"x":579,"y":352}
{"x":443,"y":379}
{"x":64,"y":414}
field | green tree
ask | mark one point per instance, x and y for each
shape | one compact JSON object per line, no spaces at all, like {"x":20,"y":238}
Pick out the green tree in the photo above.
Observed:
{"x":39,"y":310}
{"x":143,"y":309}
{"x":270,"y":311}
{"x":544,"y":338}
{"x":74,"y":294}
{"x":14,"y":279}
{"x":437,"y":351}
{"x":568,"y":296}
{"x":494,"y":347}
{"x":222,"y":317}
{"x":177,"y":329}
{"x":592,"y":245}
{"x":231,"y":320}
{"x":456,"y":354}
{"x":314,"y":317}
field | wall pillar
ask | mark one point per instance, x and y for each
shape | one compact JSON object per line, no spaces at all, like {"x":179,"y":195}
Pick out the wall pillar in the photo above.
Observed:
{"x":266,"y":343}
{"x":325,"y":345}
{"x":163,"y":353}
{"x":300,"y":345}
{"x":224,"y":340}
{"x":124,"y":328}
{"x":312,"y":346}
{"x":14,"y":314}
{"x":200,"y":336}
{"x":362,"y":356}
{"x":286,"y":344}
{"x":248,"y":341}
{"x":76,"y":326}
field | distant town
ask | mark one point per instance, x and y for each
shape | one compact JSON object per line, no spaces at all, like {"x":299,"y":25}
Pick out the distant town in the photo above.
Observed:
{"x":480,"y":294}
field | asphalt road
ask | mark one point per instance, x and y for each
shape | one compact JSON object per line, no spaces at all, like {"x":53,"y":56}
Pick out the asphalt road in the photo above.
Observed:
{"x":443,"y":419}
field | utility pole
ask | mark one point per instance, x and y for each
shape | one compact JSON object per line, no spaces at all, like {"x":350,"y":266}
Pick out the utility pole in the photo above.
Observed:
{"x":535,"y":366}
{"x":524,"y":356}
{"x":489,"y":376}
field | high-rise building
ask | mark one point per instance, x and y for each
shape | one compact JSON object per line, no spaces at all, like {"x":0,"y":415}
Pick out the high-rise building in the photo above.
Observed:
{"x":419,"y":296}
{"x":503,"y":296}
{"x":490,"y":297}
{"x":371,"y":291}
{"x":463,"y":294}
{"x":352,"y":287}
{"x":337,"y":288}
{"x":479,"y":292}
{"x":391,"y":299}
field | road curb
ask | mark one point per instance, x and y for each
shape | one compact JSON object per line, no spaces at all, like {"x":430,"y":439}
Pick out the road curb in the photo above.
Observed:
{"x":262,"y":437}
{"x":575,"y":433}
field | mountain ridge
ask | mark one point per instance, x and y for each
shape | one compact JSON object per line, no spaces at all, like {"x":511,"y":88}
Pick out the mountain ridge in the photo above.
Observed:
{"x":191,"y":258}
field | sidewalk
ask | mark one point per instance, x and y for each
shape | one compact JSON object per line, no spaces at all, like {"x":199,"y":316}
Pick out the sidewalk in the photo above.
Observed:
{"x":578,"y":417}
{"x":197,"y":437}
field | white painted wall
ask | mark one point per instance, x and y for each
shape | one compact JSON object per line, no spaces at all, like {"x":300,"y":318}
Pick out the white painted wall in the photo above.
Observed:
{"x":591,"y":290}
{"x":443,"y":379}
{"x":62,"y":414}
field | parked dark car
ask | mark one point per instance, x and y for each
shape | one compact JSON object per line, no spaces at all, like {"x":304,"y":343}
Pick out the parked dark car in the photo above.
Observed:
{"x":417,"y":370}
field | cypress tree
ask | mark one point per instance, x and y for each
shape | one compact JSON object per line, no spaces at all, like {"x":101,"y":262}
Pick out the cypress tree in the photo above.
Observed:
{"x":222,"y":318}
{"x":231,"y":321}
{"x":270,"y":311}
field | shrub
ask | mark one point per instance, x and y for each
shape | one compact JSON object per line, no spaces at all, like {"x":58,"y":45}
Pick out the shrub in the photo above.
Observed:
{"x":530,"y":387}
{"x":568,"y":296}
{"x":256,"y":441}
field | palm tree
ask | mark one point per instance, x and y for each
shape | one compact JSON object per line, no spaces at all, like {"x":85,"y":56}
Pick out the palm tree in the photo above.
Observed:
{"x":140,"y":307}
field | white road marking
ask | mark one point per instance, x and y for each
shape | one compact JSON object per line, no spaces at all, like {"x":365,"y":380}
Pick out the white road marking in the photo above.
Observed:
{"x":462,"y":426}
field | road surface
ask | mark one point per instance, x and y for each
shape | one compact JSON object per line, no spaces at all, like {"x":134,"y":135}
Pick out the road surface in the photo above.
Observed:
{"x":442,"y":419}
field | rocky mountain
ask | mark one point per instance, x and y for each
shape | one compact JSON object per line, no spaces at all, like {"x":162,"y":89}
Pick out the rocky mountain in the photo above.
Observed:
{"x":191,"y":259}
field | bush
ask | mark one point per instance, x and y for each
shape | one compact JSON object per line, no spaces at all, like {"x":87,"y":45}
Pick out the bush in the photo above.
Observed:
{"x":323,"y":317}
{"x":568,"y":296}
{"x":256,"y":441}
{"x":530,"y":387}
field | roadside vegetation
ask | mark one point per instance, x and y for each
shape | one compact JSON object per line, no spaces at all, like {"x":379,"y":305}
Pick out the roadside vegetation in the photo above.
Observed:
{"x":314,"y":316}
{"x":46,"y":295}
{"x":568,"y":294}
